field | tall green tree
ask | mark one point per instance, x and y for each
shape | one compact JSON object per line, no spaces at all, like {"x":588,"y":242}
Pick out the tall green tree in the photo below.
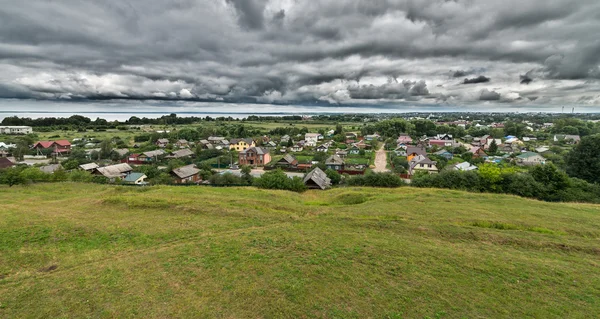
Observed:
{"x":584,"y":159}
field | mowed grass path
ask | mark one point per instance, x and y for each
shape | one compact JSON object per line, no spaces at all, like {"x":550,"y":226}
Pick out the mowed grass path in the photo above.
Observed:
{"x":82,"y":250}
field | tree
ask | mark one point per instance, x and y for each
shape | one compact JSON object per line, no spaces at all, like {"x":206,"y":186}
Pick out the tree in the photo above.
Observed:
{"x":493,"y":148}
{"x":334,"y":176}
{"x":246,"y":176}
{"x":584,"y":159}
{"x":105,"y":149}
{"x":11,"y":176}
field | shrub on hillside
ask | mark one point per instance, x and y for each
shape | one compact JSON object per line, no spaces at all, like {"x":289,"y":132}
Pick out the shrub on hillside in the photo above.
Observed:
{"x":376,"y":180}
{"x":277,"y":179}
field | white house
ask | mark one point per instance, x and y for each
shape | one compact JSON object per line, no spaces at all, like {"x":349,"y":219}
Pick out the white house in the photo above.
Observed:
{"x":16,"y":130}
{"x":312,"y":139}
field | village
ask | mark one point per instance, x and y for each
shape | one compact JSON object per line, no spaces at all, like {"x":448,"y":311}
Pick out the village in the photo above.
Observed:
{"x":163,"y":158}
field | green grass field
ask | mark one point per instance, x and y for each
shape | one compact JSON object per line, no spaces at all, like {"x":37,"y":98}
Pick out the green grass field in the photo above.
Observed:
{"x":84,"y":250}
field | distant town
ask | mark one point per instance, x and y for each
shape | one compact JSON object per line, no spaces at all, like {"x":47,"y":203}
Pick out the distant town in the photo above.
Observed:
{"x":318,"y":152}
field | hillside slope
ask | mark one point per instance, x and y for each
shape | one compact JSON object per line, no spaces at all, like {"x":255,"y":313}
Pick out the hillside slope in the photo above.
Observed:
{"x":83,"y":250}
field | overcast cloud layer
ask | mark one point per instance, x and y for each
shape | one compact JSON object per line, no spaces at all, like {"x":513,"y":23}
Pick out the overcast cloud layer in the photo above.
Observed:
{"x":342,"y":52}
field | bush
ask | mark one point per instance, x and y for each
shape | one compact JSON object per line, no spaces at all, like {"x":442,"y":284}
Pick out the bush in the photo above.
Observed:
{"x":277,"y":179}
{"x":376,"y":180}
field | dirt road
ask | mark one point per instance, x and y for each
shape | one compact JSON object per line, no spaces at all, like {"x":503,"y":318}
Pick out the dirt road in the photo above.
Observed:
{"x":380,"y":161}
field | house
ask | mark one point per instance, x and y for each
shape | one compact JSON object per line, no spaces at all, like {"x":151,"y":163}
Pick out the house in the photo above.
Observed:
{"x":254,"y":156}
{"x":182,"y":143}
{"x":144,"y":158}
{"x":372,"y":137}
{"x":464,"y":166}
{"x":215,"y":140}
{"x":121,"y":152}
{"x":362,"y":145}
{"x":312,"y":139}
{"x":422,"y":163}
{"x":16,"y":130}
{"x":113,"y":172}
{"x":569,"y":139}
{"x":287,"y":161}
{"x":6,"y":163}
{"x":285,"y":139}
{"x":400,"y":151}
{"x":509,"y":148}
{"x":412,"y":151}
{"x":136,"y":179}
{"x":186,"y":174}
{"x":445,"y":154}
{"x":317,"y":179}
{"x":330,"y":133}
{"x":297,"y":148}
{"x":530,"y":158}
{"x":5,"y":146}
{"x":542,"y":149}
{"x":90,"y":167}
{"x":59,"y":147}
{"x":404,"y":139}
{"x":477,"y":152}
{"x":335,"y":162}
{"x":205,"y":145}
{"x":49,"y":169}
{"x":443,"y":137}
{"x":351,"y":136}
{"x":443,"y":143}
{"x":186,"y":152}
{"x":162,"y":142}
{"x":341,"y":154}
{"x":354,"y":150}
{"x":271,"y":144}
{"x":240,"y":144}
{"x":322,"y":148}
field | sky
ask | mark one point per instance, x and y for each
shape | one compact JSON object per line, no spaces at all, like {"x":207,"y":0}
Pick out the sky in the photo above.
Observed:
{"x":382,"y":53}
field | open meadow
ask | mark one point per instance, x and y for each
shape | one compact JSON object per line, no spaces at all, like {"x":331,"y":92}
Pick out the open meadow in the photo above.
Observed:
{"x":71,"y":250}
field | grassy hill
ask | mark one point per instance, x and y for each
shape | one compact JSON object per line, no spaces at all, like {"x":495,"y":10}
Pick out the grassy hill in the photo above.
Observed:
{"x":83,"y":250}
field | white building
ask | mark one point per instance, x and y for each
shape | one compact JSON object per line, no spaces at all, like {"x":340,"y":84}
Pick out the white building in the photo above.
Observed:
{"x":311,"y":139}
{"x":16,"y":130}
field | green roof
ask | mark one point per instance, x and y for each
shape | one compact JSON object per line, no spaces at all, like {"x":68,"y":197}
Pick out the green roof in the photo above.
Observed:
{"x":133,"y":177}
{"x":527,"y":154}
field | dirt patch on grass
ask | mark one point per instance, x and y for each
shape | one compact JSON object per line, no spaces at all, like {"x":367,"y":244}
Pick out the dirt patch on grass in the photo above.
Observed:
{"x":49,"y":268}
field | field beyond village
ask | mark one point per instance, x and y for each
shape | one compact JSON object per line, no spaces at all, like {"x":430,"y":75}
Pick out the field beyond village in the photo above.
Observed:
{"x":71,"y":250}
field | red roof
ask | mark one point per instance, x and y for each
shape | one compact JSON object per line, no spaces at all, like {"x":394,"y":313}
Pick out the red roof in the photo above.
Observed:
{"x":62,"y":142}
{"x":44,"y":144}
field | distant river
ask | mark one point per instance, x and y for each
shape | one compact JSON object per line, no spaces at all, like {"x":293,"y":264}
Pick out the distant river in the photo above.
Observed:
{"x":123,"y":110}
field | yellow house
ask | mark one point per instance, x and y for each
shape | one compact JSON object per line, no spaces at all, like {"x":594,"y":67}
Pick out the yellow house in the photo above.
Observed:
{"x":241,"y":144}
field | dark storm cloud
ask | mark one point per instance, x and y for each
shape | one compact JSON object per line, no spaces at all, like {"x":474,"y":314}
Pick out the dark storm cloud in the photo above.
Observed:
{"x":250,"y":12}
{"x":289,"y":51}
{"x":479,"y":79}
{"x":489,"y":95}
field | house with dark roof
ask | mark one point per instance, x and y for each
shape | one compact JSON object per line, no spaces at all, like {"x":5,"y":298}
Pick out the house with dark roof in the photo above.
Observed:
{"x":422,"y":163}
{"x":113,"y":172}
{"x":317,"y":179}
{"x":412,"y":151}
{"x":186,"y":174}
{"x":254,"y":156}
{"x":182,"y":143}
{"x":182,"y":153}
{"x":335,"y":162}
{"x":162,"y":142}
{"x":287,"y":161}
{"x":6,"y":163}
